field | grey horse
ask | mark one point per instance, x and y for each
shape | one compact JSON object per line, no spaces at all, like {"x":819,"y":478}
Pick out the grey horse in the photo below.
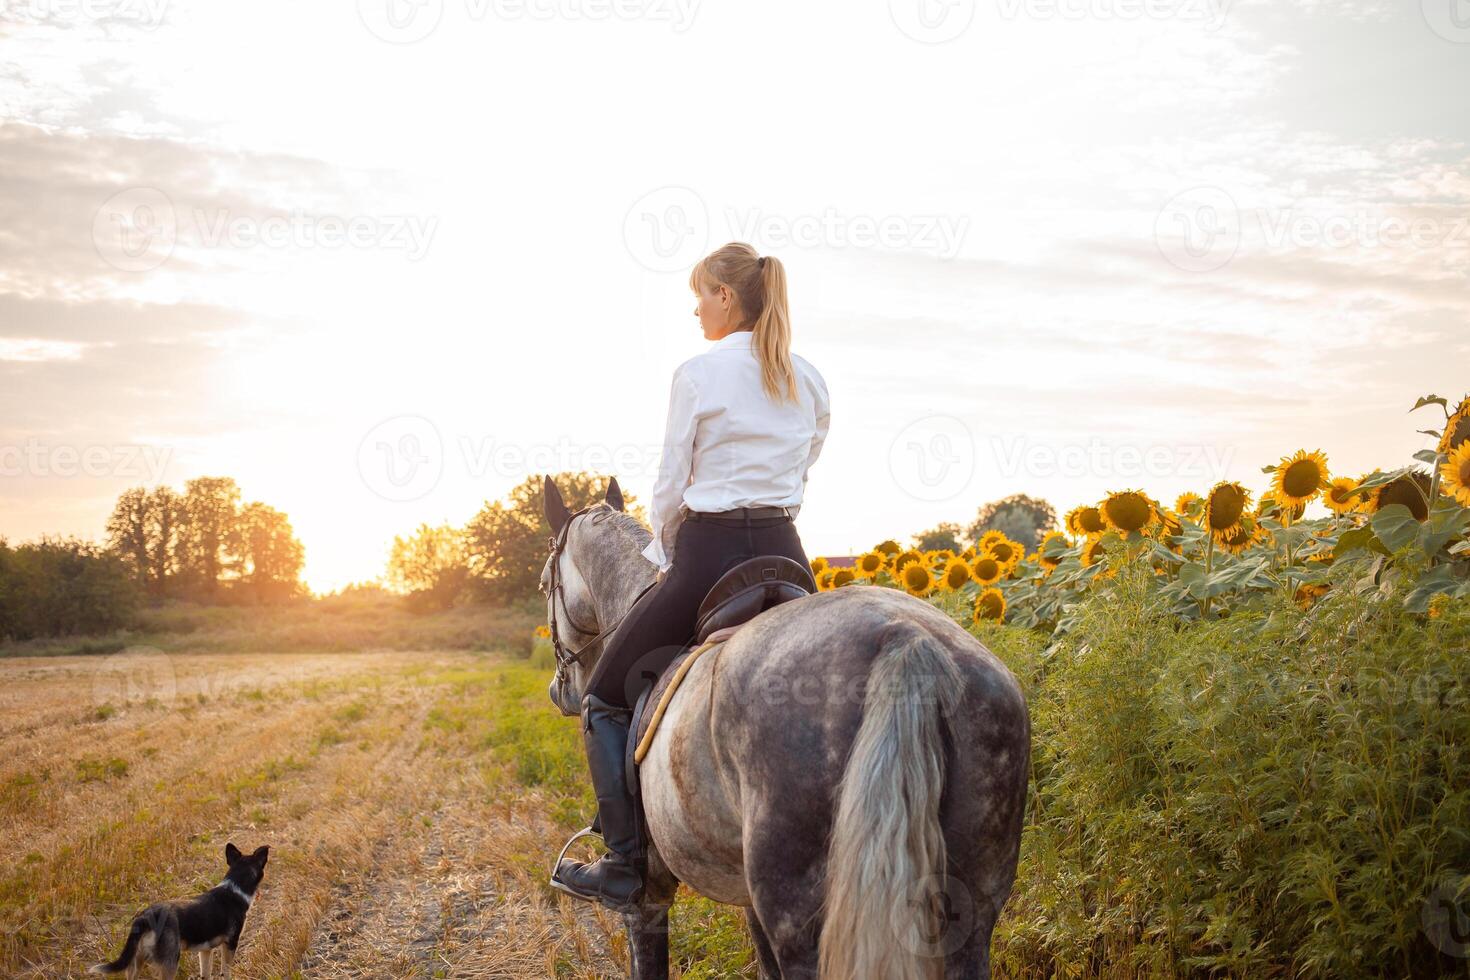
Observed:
{"x":850,"y":767}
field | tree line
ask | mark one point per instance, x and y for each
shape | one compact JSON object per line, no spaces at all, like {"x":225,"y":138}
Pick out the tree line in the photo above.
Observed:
{"x":203,"y":544}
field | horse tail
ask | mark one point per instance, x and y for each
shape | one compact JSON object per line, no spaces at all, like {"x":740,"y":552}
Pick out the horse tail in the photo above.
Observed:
{"x":887,"y":842}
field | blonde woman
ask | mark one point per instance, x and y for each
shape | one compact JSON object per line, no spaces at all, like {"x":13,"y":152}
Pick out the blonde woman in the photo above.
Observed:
{"x":747,"y":419}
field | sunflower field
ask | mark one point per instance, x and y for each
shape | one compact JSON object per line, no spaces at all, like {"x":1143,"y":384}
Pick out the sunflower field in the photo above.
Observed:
{"x":1218,"y":553}
{"x":1250,"y":727}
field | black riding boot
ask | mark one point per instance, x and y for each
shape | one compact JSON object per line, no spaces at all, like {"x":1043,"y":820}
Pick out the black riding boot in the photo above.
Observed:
{"x":615,"y":879}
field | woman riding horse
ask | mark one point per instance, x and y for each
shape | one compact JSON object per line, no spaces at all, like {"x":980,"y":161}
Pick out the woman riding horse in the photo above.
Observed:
{"x":747,"y":418}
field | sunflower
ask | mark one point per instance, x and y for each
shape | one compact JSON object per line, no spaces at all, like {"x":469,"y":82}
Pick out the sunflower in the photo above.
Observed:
{"x":819,"y":565}
{"x":1240,"y":537}
{"x":1085,"y":522}
{"x":843,"y":576}
{"x":1456,"y":430}
{"x":1299,"y":478}
{"x":1225,"y":506}
{"x":1437,"y":606}
{"x":1454,"y":475}
{"x":1006,"y":551}
{"x":1092,"y":553}
{"x":824,"y":579}
{"x":903,"y":558}
{"x":1411,"y":490}
{"x":543,"y":631}
{"x":1308,"y":594}
{"x":943,"y":555}
{"x":956,"y":574}
{"x":1049,"y":552}
{"x":991,"y":605}
{"x":889,"y":547}
{"x":869,"y":564}
{"x":989,"y":538}
{"x":968,"y":554}
{"x":1271,"y":507}
{"x":1126,"y":511}
{"x":987,"y":570}
{"x":1169,"y":529}
{"x":1189,"y":504}
{"x":916,"y":578}
{"x":1339,"y":496}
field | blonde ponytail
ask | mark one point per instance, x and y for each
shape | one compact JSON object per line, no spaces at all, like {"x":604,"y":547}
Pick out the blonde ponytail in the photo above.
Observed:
{"x":759,"y":285}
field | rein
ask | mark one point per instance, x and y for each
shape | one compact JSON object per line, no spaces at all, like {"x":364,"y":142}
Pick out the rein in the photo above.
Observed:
{"x":566,"y":659}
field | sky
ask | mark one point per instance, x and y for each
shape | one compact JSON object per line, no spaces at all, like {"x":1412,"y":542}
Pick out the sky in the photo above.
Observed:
{"x":382,"y":260}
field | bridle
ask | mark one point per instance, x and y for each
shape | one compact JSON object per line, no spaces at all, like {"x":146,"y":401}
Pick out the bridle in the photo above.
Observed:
{"x":567,"y":659}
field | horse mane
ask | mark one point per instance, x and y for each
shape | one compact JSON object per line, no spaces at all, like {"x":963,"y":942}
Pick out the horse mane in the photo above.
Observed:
{"x":626,"y":524}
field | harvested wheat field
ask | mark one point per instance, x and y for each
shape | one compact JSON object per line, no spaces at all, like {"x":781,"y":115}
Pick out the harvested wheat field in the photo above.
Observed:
{"x":411,"y":801}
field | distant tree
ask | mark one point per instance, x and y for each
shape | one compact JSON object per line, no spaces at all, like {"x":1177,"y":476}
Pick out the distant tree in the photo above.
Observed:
{"x":946,"y":535}
{"x":211,"y":507}
{"x":507,"y":540}
{"x":1023,"y":519}
{"x":59,"y":586}
{"x":432,"y":565}
{"x":265,"y":554}
{"x":127,"y":534}
{"x":144,"y":531}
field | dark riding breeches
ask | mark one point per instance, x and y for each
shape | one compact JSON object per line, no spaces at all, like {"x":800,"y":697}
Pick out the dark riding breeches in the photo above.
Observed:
{"x":662,"y":622}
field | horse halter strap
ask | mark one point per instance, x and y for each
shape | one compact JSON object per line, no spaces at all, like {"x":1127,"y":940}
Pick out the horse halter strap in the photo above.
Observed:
{"x":566,"y":659}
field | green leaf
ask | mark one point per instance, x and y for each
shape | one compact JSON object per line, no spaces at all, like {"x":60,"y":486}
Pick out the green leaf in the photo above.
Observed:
{"x":1268,"y":469}
{"x":1356,"y":538}
{"x":1432,"y":432}
{"x":1427,"y":456}
{"x":1192,"y":577}
{"x":1440,"y":580}
{"x":1430,"y":400}
{"x":1395,"y":527}
{"x":1443,"y":526}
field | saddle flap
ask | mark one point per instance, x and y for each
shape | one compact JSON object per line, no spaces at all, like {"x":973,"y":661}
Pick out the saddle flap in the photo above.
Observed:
{"x":749,"y":589}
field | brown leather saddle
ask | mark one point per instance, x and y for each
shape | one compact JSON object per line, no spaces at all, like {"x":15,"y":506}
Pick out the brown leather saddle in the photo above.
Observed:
{"x":740,"y":595}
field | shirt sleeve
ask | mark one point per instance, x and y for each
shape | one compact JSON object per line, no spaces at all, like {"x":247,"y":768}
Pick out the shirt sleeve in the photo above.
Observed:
{"x":819,"y":437}
{"x":674,"y":470}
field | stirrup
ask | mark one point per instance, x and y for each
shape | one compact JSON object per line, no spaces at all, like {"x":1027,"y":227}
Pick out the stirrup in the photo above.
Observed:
{"x":584,"y":832}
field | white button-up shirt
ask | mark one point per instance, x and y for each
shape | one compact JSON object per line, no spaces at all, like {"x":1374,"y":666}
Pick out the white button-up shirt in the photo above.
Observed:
{"x":728,"y":445}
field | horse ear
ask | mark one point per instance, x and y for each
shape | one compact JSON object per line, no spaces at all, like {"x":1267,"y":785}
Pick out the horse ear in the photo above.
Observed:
{"x":553,"y":506}
{"x":614,"y":495}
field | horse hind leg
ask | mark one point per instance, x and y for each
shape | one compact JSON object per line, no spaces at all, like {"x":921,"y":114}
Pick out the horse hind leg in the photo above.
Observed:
{"x":770,"y":968}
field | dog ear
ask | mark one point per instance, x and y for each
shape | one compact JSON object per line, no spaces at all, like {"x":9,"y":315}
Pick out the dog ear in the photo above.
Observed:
{"x":261,"y":853}
{"x":232,"y":853}
{"x":614,"y":495}
{"x":554,"y":506}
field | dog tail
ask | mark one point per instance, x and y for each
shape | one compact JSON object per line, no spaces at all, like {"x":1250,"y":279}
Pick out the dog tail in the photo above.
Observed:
{"x":129,"y":950}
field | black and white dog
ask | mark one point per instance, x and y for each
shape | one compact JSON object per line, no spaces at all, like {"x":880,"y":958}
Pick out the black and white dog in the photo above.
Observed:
{"x":162,"y":932}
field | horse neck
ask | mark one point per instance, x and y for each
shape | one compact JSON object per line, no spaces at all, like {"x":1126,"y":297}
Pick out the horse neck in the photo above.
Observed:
{"x":615,"y":573}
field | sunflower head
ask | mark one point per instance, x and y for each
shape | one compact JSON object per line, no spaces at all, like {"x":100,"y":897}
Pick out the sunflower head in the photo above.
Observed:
{"x":843,"y":576}
{"x":1308,"y":594}
{"x":1085,"y":522}
{"x":1411,"y":490}
{"x":1339,"y":496}
{"x":543,"y":631}
{"x":889,"y":547}
{"x":1005,"y":551}
{"x":824,"y":579}
{"x":1240,"y":537}
{"x":1127,"y":511}
{"x":1454,"y":475}
{"x":1169,"y":530}
{"x":1093,"y":552}
{"x":819,"y":565}
{"x":986,"y":570}
{"x":916,"y":578}
{"x":956,"y":574}
{"x":901,"y":559}
{"x":1225,"y":506}
{"x":869,"y":564}
{"x":1299,"y":479}
{"x":990,"y":605}
{"x":1189,"y":504}
{"x":1456,"y":430}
